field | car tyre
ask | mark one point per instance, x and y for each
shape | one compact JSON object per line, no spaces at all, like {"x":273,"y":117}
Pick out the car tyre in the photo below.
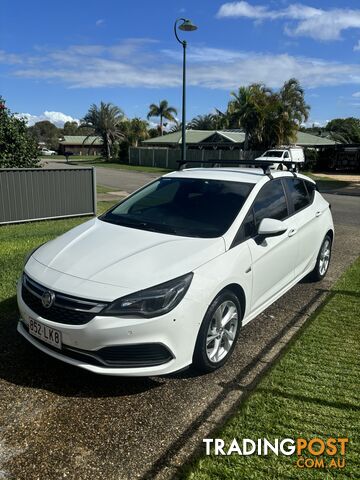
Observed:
{"x":323,"y":260}
{"x":218,"y":332}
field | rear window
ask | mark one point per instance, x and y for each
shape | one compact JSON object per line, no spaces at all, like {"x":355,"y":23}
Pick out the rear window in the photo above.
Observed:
{"x":273,"y":153}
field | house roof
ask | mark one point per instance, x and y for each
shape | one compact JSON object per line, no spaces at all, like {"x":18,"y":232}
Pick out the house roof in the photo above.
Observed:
{"x":81,"y":140}
{"x":200,"y":136}
{"x":196,"y":136}
{"x":306,"y":139}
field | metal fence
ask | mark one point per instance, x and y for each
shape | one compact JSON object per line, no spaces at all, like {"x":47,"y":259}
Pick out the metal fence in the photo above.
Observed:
{"x":28,"y":194}
{"x":168,"y":157}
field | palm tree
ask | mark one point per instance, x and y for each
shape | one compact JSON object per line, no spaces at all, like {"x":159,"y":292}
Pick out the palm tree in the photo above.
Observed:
{"x":105,"y":121}
{"x":294,"y":110}
{"x":163,"y":111}
{"x":135,"y":130}
{"x":247,"y":110}
{"x":268,"y":118}
{"x":210,"y":121}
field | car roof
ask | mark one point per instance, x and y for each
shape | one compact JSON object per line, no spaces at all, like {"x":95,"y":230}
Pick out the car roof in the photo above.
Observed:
{"x":234,"y":174}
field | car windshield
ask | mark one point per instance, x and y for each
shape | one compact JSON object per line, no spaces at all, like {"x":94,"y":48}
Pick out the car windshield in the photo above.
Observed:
{"x":273,"y":153}
{"x":182,"y":206}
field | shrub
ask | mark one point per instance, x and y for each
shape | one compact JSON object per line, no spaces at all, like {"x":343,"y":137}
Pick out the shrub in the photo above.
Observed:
{"x":17,"y":148}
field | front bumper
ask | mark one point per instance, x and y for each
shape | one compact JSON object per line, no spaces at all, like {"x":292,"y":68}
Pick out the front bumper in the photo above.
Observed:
{"x":176,"y":331}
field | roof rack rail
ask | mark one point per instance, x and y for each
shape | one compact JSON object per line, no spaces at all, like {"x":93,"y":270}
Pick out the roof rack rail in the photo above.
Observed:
{"x":263,"y":164}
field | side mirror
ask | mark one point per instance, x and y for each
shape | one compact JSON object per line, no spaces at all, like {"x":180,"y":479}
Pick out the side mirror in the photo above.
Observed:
{"x":270,"y":227}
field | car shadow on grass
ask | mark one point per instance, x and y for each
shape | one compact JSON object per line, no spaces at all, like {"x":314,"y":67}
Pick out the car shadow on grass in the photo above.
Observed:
{"x":24,"y":365}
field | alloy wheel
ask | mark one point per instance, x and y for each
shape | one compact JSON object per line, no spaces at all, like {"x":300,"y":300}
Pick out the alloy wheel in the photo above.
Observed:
{"x":324,"y":258}
{"x":222,"y":331}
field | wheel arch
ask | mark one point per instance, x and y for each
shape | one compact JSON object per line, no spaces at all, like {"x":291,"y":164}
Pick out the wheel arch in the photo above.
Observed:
{"x":330,"y":232}
{"x":239,"y":292}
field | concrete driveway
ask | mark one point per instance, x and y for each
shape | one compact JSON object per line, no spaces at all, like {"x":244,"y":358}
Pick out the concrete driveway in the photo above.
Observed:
{"x":60,"y":422}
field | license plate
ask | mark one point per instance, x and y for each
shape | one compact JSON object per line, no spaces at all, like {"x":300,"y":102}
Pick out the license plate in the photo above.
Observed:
{"x":45,"y":333}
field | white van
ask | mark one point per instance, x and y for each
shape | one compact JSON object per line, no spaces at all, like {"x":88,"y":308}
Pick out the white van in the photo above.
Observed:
{"x":284,"y":154}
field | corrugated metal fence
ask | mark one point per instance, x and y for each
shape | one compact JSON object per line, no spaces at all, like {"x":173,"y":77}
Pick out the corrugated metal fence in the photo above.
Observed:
{"x":28,"y":194}
{"x":168,"y":157}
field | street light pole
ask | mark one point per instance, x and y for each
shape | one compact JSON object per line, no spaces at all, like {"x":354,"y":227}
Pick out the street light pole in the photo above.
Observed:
{"x":186,"y":26}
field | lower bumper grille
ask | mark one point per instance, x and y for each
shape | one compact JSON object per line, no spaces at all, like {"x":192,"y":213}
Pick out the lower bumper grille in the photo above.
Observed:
{"x":117,"y":356}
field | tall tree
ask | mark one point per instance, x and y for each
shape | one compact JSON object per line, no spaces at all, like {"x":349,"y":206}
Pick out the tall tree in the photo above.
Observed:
{"x":247,"y":110}
{"x":268,"y":118}
{"x":163,"y":110}
{"x":135,"y":131}
{"x":17,"y":147}
{"x":70,"y":128}
{"x":210,"y":121}
{"x":47,"y":132}
{"x":293,"y":110}
{"x":105,"y":122}
{"x":344,"y":130}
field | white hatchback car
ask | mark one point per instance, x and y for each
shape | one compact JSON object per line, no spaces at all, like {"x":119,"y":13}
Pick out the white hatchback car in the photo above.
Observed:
{"x":167,"y":277}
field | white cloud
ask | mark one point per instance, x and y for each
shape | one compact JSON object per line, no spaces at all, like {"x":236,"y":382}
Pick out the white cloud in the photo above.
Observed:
{"x":308,"y":21}
{"x":206,"y":54}
{"x":315,"y":123}
{"x":99,"y":22}
{"x":357,"y":46}
{"x":356,"y":94}
{"x":57,"y":118}
{"x":131,"y":64}
{"x":10,"y":58}
{"x":243,"y":9}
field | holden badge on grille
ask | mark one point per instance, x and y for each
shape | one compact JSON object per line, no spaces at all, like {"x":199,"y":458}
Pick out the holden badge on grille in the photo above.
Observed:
{"x":48,"y":298}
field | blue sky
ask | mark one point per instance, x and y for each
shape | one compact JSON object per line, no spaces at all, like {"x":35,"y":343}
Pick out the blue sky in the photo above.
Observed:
{"x":59,"y":59}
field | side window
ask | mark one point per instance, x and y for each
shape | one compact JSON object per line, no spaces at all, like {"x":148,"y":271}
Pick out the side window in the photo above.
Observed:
{"x":247,"y":229}
{"x":311,"y":187}
{"x":270,"y":202}
{"x":286,"y":155}
{"x":298,"y":193}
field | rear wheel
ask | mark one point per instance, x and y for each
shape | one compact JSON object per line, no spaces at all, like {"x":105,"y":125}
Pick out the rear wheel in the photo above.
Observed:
{"x":323,"y":260}
{"x":218,"y":332}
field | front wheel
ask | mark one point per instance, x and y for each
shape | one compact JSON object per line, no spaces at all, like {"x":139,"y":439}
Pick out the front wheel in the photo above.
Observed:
{"x":323,"y":260}
{"x":218,"y":332}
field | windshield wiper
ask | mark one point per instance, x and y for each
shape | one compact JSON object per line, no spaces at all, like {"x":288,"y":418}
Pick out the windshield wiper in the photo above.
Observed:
{"x":153,"y":227}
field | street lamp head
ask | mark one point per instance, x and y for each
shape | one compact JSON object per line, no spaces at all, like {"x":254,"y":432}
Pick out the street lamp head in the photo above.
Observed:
{"x":187,"y":26}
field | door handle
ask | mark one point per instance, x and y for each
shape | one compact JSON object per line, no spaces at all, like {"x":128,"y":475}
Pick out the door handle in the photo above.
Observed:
{"x":318,"y":213}
{"x":292,"y":232}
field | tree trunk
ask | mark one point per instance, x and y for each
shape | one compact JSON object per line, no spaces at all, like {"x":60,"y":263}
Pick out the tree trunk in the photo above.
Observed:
{"x":161,"y":124}
{"x":108,"y":153}
{"x":246,"y":143}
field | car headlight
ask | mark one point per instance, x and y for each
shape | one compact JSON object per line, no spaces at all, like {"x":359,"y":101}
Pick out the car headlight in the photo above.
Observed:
{"x":153,"y":301}
{"x":28,"y":255}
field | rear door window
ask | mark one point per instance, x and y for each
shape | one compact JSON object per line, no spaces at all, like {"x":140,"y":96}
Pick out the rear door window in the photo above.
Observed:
{"x":311,"y":188}
{"x":298,"y":193}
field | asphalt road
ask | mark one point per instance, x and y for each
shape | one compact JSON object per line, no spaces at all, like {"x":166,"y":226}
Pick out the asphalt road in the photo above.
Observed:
{"x":60,"y":422}
{"x":123,"y":180}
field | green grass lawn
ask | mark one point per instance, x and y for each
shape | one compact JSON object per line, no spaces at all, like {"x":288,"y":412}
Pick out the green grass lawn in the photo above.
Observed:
{"x":17,"y":240}
{"x":327,"y":183}
{"x":71,"y":157}
{"x":313,"y":391}
{"x":103,"y":189}
{"x":119,"y":166}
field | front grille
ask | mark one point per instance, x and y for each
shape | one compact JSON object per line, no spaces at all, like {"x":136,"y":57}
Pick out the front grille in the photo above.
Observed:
{"x":66,"y":309}
{"x":120,"y":356}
